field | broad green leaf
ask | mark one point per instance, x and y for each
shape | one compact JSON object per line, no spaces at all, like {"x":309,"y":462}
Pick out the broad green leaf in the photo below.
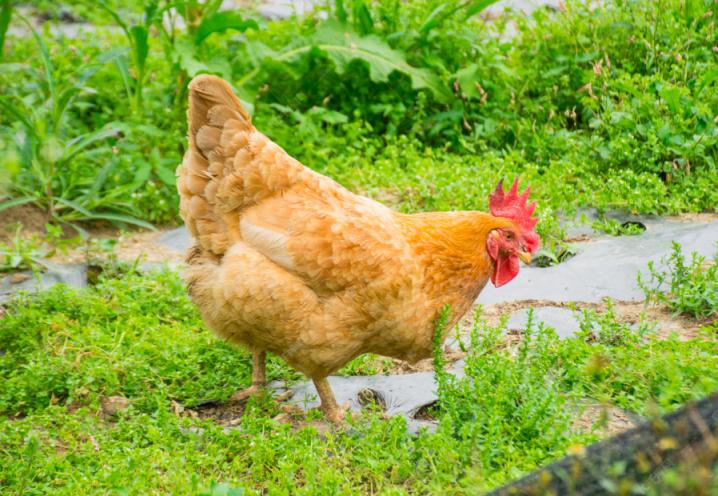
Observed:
{"x":222,"y":21}
{"x":434,"y":18}
{"x":362,"y":17}
{"x":166,"y":174}
{"x":672,"y":96}
{"x":185,"y":51}
{"x":477,"y":6}
{"x":708,"y":78}
{"x":446,"y":10}
{"x":140,"y":46}
{"x":340,"y":11}
{"x":467,"y":78}
{"x":343,"y":45}
{"x":127,"y":219}
{"x":329,"y":116}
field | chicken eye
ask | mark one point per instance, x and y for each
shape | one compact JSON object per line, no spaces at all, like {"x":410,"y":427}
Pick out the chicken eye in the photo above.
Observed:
{"x":509,"y":235}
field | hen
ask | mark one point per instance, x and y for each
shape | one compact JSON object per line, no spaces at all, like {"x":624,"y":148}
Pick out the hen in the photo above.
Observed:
{"x":286,"y":260}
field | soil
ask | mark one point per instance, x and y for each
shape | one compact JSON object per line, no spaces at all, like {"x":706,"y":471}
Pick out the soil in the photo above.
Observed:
{"x":607,"y":419}
{"x":29,"y":217}
{"x":229,"y":415}
{"x":695,"y":217}
{"x":629,"y":311}
{"x":131,"y":246}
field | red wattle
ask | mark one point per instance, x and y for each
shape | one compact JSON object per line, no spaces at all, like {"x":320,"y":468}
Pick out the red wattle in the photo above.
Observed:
{"x":506,"y":269}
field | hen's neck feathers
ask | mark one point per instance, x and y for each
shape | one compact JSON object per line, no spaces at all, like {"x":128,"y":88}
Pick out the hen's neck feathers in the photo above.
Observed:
{"x":452,"y":248}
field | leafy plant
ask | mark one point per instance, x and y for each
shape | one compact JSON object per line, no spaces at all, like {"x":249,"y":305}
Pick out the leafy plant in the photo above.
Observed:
{"x":607,"y":329}
{"x":553,"y":251}
{"x":24,"y":253}
{"x":137,"y":36}
{"x":690,"y":288}
{"x":201,"y":19}
{"x":139,"y":337}
{"x":49,"y":152}
{"x":342,"y":45}
{"x":524,"y":411}
{"x":613,"y":227}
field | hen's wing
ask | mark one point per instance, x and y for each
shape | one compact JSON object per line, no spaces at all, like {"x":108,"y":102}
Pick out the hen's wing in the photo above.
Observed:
{"x":238,"y":186}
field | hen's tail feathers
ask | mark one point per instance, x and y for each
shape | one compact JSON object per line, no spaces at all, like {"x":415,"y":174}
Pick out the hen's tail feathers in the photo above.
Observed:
{"x":228,"y":165}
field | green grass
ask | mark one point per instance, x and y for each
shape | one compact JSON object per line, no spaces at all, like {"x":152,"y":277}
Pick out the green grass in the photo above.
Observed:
{"x":688,"y":288}
{"x":140,"y":337}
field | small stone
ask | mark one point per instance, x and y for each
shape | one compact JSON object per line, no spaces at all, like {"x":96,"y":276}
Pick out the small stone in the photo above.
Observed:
{"x":112,"y":405}
{"x":283,"y":418}
{"x":284,"y":396}
{"x":19,"y":277}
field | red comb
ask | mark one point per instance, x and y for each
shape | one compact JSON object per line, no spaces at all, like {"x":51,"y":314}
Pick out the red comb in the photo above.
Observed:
{"x":513,"y":206}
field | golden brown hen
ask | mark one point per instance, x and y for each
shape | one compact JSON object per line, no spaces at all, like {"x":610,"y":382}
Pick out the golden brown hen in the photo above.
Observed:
{"x":287,"y":261}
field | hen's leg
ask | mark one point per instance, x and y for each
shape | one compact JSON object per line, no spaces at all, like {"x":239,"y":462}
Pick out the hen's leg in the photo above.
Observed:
{"x":259,"y":377}
{"x":329,"y":406}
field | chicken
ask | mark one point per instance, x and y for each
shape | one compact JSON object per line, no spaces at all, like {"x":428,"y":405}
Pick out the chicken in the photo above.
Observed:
{"x":287,"y":261}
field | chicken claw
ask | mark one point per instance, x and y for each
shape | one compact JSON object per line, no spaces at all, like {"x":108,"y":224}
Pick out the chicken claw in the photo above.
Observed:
{"x":259,"y":378}
{"x":337,"y":414}
{"x":332,"y":411}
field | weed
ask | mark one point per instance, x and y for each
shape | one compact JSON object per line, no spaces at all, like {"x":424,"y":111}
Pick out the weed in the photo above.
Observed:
{"x":51,"y":157}
{"x":692,"y":288}
{"x":607,"y":329}
{"x":524,"y":400}
{"x":613,"y":227}
{"x":31,"y":252}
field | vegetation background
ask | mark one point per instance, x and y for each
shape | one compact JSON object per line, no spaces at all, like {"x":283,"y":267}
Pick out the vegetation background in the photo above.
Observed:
{"x":423,"y":105}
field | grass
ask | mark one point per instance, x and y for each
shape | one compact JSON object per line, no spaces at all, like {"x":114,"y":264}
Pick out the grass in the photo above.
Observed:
{"x":139,"y":337}
{"x":692,"y":287}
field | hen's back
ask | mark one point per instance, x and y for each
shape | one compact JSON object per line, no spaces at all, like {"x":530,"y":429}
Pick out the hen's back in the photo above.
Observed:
{"x":228,"y":167}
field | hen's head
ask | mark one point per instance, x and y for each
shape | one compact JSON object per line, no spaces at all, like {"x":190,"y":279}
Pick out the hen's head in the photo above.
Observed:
{"x":506,"y":246}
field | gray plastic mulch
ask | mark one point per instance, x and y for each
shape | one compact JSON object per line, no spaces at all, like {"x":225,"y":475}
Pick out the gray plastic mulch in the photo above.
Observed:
{"x":606,"y":266}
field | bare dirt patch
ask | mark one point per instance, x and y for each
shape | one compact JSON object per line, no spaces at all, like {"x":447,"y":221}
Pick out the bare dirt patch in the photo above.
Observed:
{"x":605,"y":418}
{"x":631,"y":312}
{"x":695,"y":217}
{"x":31,"y":218}
{"x":229,"y":414}
{"x":133,"y":246}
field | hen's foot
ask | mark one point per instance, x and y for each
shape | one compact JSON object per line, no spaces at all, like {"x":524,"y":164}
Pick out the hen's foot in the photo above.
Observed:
{"x":245,"y":394}
{"x":335,"y":413}
{"x":254,"y":390}
{"x":259,"y":378}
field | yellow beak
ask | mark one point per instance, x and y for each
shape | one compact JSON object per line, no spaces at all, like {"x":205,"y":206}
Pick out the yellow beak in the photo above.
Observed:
{"x":525,"y":257}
